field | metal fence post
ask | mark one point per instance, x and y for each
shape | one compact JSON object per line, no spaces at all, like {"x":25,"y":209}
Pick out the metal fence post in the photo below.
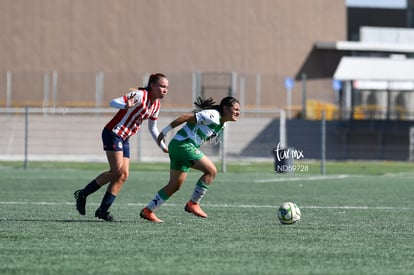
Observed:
{"x":223,"y":150}
{"x":304,"y":99}
{"x":54,"y":88}
{"x":258,"y":91}
{"x":8,"y":89}
{"x":323,"y":143}
{"x":26,"y":137}
{"x":45,"y":90}
{"x":99,"y":89}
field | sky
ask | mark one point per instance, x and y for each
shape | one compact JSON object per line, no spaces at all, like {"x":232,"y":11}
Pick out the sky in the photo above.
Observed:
{"x":397,"y":4}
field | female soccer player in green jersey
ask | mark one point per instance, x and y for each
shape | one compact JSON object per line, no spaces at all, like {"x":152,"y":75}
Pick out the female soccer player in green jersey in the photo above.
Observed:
{"x":206,"y":122}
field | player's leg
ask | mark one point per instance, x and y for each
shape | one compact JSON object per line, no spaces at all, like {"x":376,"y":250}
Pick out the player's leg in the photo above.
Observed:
{"x":180,"y":155}
{"x":209,"y":170}
{"x":177,"y":179}
{"x":95,"y":184}
{"x":119,"y":171}
{"x":111,"y":143}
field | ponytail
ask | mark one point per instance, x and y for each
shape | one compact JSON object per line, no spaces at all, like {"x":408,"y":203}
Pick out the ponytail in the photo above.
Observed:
{"x":203,"y":104}
{"x":153,"y":79}
{"x":209,"y":103}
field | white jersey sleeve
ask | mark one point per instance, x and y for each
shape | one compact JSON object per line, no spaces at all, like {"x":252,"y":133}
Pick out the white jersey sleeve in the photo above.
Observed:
{"x":153,"y":129}
{"x":207,"y":117}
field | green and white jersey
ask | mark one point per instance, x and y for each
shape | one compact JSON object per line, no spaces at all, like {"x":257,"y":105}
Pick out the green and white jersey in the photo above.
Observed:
{"x":207,"y":126}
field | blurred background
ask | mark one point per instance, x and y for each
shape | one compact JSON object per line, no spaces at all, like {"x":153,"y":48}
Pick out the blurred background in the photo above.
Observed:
{"x":331,"y":78}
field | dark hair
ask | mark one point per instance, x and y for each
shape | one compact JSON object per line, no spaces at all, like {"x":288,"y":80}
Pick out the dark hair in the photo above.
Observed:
{"x":209,"y":103}
{"x":153,"y":79}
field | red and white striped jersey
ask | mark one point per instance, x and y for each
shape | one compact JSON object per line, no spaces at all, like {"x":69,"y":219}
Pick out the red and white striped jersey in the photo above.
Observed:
{"x":128,"y":121}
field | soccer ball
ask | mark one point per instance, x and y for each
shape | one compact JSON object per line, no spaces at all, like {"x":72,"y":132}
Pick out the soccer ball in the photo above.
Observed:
{"x":288,"y":213}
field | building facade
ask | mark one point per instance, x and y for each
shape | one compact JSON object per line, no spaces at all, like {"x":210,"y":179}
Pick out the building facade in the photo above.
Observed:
{"x":52,"y":51}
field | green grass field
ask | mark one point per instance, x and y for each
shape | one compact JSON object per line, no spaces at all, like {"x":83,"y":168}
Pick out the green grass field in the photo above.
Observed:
{"x":356,"y":219}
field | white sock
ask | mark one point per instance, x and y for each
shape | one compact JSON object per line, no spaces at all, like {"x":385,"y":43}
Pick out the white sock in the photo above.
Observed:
{"x":199,"y":191}
{"x":156,"y":202}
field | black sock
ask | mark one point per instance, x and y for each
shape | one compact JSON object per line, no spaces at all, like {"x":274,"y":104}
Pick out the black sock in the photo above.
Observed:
{"x":107,"y":201}
{"x":92,"y":187}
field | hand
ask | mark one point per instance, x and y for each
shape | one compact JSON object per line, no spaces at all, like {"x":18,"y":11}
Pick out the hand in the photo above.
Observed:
{"x":160,"y":139}
{"x":131,"y":101}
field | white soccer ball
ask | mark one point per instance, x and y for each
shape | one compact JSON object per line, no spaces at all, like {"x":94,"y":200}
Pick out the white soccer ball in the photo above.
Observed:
{"x":288,"y":213}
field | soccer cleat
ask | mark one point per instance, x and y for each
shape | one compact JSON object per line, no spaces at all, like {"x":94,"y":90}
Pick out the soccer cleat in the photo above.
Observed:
{"x":80,"y":202}
{"x":106,"y":216}
{"x":149,"y":215}
{"x":194,"y":208}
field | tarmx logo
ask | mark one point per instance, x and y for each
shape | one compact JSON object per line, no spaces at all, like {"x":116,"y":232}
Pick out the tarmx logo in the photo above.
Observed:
{"x":287,"y":153}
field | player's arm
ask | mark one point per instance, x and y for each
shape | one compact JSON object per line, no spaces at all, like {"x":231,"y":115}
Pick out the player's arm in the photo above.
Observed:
{"x":189,"y":117}
{"x":153,"y":129}
{"x":127,"y":101}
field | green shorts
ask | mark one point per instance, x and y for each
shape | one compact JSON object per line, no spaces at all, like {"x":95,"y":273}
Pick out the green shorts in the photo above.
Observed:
{"x":183,"y":154}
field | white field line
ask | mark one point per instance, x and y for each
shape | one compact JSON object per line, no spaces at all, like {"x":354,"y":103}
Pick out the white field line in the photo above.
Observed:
{"x":222,"y":205}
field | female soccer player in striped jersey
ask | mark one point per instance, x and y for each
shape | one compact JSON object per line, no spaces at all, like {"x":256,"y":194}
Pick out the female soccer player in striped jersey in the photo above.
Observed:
{"x":135,"y":107}
{"x":206,"y":122}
